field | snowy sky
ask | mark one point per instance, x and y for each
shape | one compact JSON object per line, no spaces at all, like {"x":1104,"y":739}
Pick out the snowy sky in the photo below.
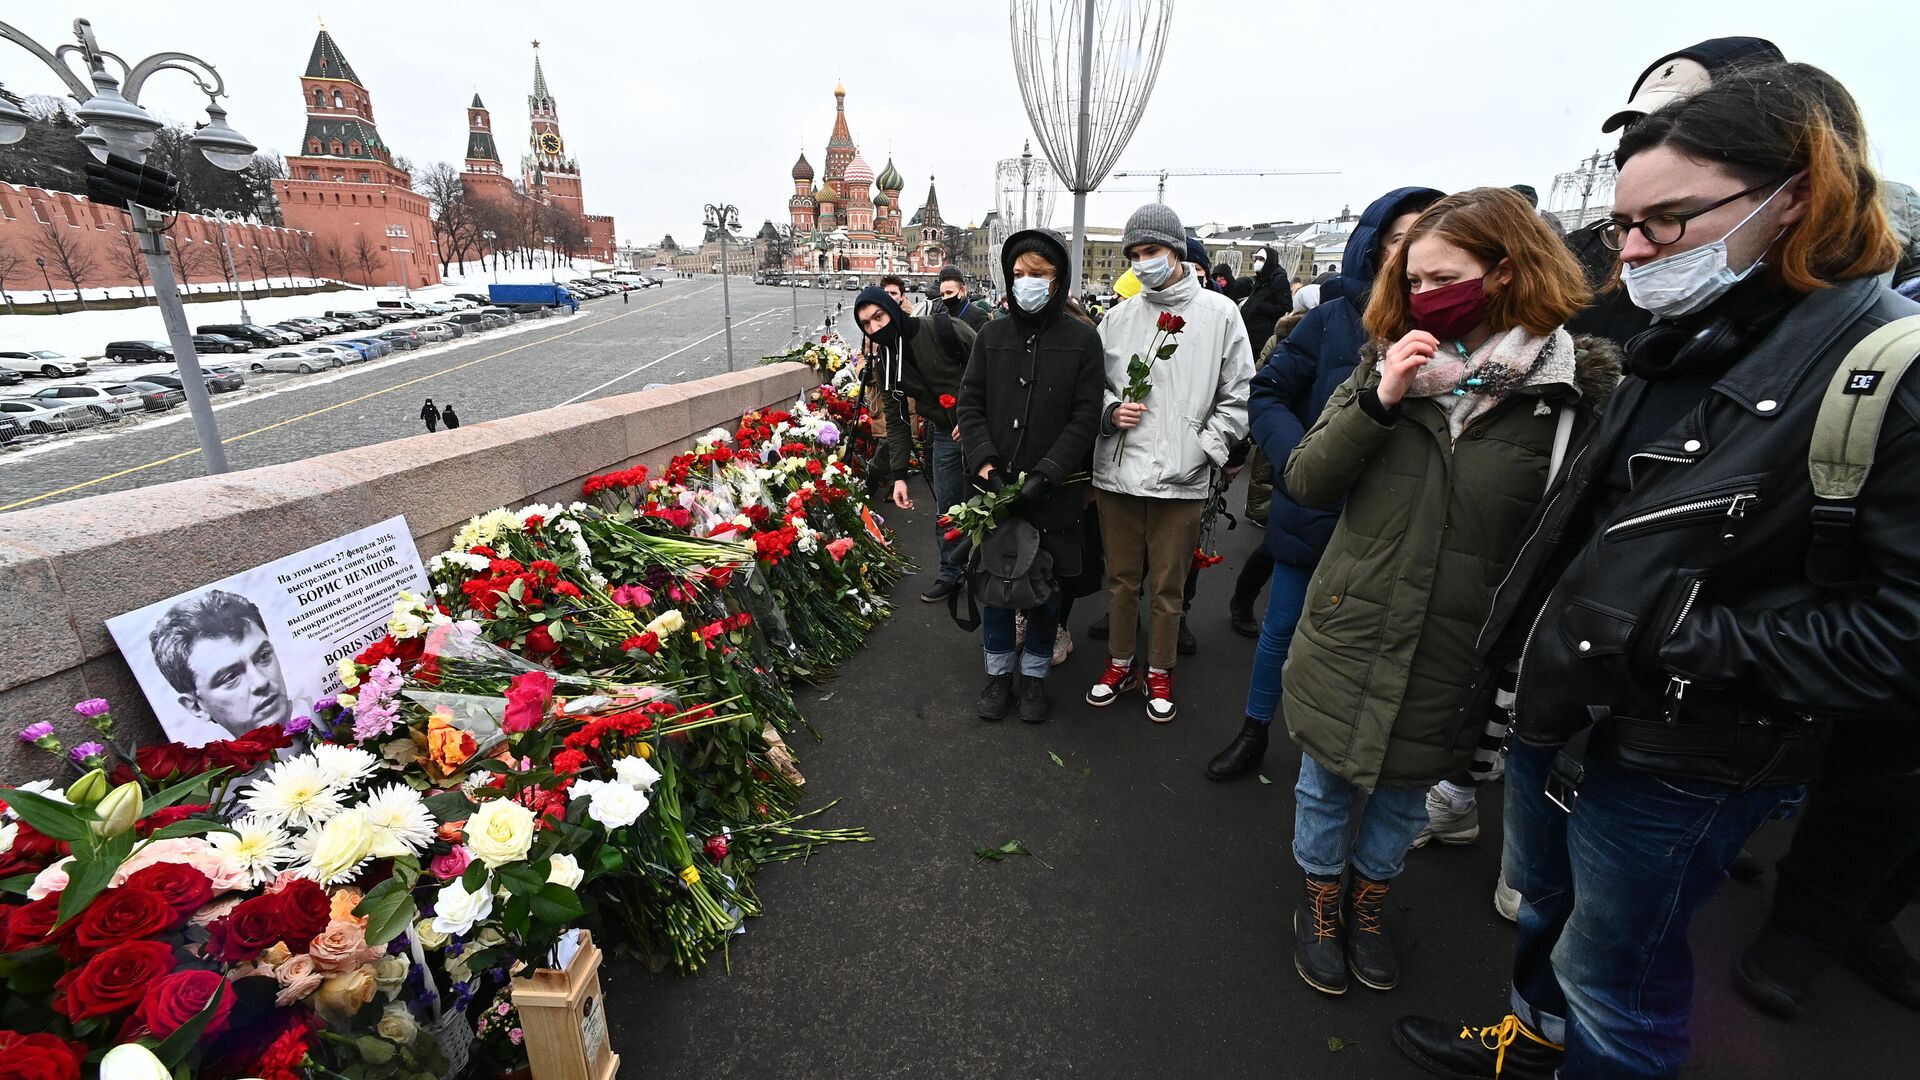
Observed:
{"x":672,"y":105}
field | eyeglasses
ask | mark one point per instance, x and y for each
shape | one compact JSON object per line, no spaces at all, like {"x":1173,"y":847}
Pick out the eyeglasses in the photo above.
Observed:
{"x":1664,"y":229}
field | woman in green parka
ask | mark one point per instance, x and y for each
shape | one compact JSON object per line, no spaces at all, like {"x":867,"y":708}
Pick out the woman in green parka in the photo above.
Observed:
{"x":1440,"y":444}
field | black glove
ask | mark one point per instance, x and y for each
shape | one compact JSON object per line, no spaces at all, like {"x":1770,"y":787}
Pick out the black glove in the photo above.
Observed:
{"x":1031,"y":492}
{"x":991,"y":484}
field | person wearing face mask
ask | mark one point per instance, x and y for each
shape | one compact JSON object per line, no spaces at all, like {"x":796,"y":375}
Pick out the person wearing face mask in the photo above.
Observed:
{"x":953,"y":294}
{"x":1437,"y":449}
{"x":1691,"y":622}
{"x":920,"y":357}
{"x":1029,"y":410}
{"x":1156,"y":461}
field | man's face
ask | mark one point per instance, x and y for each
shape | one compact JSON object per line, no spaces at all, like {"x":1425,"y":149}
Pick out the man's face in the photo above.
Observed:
{"x":1397,"y":235}
{"x":1664,"y":181}
{"x":952,"y":290}
{"x":894,"y":291}
{"x":237,"y":682}
{"x":872,"y":319}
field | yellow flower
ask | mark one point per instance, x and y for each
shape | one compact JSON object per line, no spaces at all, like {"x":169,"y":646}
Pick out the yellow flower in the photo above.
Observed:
{"x":340,"y":848}
{"x":500,"y":832}
{"x":429,"y":937}
{"x":349,"y":673}
{"x":340,"y":996}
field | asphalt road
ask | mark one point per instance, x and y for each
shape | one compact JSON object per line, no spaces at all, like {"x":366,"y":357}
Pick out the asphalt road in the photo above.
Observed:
{"x":666,"y":335}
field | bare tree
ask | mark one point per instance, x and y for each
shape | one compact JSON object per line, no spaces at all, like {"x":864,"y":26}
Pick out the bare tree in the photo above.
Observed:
{"x":367,"y":257}
{"x":333,"y":259}
{"x":131,"y":261}
{"x":68,"y":254}
{"x":188,"y":258}
{"x":10,"y":263}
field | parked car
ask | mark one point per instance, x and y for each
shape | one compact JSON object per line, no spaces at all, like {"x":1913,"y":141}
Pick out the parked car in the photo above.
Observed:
{"x":471,"y":321}
{"x":354,"y":320}
{"x":43,"y":362}
{"x":407,"y":308}
{"x":153,"y":396}
{"x":216,"y":383}
{"x":308,"y":329}
{"x":327,"y":326}
{"x":371,"y":348}
{"x":438,"y":331}
{"x":44,"y":418}
{"x":385,"y":316}
{"x":438,"y":309}
{"x":402,"y":339}
{"x":295,"y":360}
{"x":138,"y":352}
{"x":10,"y":429}
{"x":340,"y":353}
{"x":220,"y":343}
{"x":264,"y":336}
{"x":473,"y":298}
{"x":10,"y":377}
{"x":104,"y":402}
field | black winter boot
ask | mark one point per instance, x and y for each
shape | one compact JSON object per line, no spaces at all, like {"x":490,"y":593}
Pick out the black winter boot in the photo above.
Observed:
{"x":1187,"y":644}
{"x":1508,"y":1050}
{"x":1098,"y":630}
{"x":1033,"y":699}
{"x":1777,"y":971}
{"x":1370,"y":953}
{"x":1318,"y":946}
{"x":1880,"y":957}
{"x":1242,"y":755}
{"x":1240,"y":614}
{"x":996,"y":698}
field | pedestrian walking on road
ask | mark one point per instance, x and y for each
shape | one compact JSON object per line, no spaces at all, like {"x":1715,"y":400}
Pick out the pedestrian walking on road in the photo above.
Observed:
{"x":449,"y":417}
{"x":430,"y":415}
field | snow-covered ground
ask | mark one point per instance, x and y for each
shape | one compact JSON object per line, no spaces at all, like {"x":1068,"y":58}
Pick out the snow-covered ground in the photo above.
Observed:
{"x":86,"y":333}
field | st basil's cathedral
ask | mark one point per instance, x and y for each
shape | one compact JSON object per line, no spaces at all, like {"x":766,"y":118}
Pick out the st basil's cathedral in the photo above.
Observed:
{"x":845,"y":224}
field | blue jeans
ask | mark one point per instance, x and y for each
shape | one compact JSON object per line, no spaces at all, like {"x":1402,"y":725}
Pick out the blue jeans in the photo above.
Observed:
{"x":947,"y":471}
{"x":1607,"y":970}
{"x":1323,"y":816}
{"x":997,"y":641}
{"x":1284,"y":604}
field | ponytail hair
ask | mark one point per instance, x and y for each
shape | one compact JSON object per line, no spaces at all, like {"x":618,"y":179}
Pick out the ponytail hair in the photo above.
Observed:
{"x":1774,"y":121}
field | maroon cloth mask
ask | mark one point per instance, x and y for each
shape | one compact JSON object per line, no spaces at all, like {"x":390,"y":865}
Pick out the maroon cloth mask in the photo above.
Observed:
{"x":1451,"y":310}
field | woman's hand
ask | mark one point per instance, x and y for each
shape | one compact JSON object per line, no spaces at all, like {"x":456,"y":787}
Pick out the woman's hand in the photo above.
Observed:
{"x":1127,"y":415}
{"x":900,"y":497}
{"x":1404,"y":360}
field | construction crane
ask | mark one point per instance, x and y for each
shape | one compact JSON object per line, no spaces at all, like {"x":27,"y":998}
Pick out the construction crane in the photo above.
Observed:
{"x":1162,"y":174}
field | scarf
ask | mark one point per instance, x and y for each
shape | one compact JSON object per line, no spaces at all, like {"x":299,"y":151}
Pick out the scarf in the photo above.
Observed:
{"x":1468,"y":387}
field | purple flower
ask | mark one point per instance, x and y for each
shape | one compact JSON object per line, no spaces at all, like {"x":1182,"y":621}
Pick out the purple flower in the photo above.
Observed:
{"x":33,"y":733}
{"x":86,"y":750}
{"x":829,"y":434}
{"x":299,"y":725}
{"x":92,"y":707}
{"x":321,"y":705}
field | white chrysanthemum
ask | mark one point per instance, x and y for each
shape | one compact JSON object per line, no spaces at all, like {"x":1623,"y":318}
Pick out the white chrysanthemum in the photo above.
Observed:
{"x":400,"y":820}
{"x":262,"y":847}
{"x":344,"y":766}
{"x":295,"y":792}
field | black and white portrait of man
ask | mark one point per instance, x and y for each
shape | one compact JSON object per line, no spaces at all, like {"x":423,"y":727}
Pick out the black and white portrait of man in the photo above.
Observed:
{"x":214,"y":651}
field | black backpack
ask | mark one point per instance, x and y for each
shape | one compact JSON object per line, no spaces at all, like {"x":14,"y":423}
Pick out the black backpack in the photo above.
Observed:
{"x":1008,"y":569}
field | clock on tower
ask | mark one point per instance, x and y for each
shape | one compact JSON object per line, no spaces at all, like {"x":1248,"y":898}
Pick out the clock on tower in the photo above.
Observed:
{"x":550,"y":143}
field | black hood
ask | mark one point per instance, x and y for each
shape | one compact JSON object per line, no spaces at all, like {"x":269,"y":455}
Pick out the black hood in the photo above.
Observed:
{"x":1362,"y":259}
{"x":1268,"y":268}
{"x":1052,"y":248}
{"x":898,"y":322}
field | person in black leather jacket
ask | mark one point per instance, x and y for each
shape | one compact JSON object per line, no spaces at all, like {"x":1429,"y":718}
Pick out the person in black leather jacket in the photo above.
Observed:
{"x":1687,"y":631}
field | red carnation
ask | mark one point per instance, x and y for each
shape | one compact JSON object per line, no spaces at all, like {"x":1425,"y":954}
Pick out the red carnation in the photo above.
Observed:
{"x":175,"y":1000}
{"x":716,"y":848}
{"x":124,"y":914}
{"x":948,"y":401}
{"x":183,"y":888}
{"x":114,"y":980}
{"x":40,"y":1056}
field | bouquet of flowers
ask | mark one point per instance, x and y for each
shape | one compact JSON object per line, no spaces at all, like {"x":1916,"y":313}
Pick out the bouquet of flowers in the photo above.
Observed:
{"x":1140,"y":369}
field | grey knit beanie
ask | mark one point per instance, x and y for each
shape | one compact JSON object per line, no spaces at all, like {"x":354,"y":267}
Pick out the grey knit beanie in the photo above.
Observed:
{"x":1155,"y":223}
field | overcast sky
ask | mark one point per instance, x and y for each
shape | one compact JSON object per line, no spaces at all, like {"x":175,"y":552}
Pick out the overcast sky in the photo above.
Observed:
{"x":669,"y":106}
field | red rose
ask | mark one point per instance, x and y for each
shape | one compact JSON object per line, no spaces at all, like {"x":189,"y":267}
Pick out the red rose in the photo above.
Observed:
{"x":948,"y":401}
{"x":648,"y":642}
{"x":540,"y":640}
{"x":32,"y":851}
{"x":953,"y":535}
{"x":185,"y":889}
{"x":166,"y":816}
{"x":124,"y":914}
{"x":249,"y":751}
{"x":115,"y":980}
{"x":175,"y":1000}
{"x":306,"y":908}
{"x":527,"y":697}
{"x":39,"y":1057}
{"x":256,"y":924}
{"x":30,"y":923}
{"x":168,"y":760}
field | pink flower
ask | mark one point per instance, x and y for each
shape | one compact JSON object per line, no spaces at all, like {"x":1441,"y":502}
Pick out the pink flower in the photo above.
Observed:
{"x":839,"y":548}
{"x":298,"y":977}
{"x":342,"y":946}
{"x":452,"y":864}
{"x":632,"y":596}
{"x":92,"y":707}
{"x":222,"y":869}
{"x":515,"y":1036}
{"x":49,"y":881}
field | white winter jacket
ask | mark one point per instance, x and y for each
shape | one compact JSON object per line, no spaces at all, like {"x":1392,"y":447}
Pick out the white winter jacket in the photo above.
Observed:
{"x":1197,"y":409}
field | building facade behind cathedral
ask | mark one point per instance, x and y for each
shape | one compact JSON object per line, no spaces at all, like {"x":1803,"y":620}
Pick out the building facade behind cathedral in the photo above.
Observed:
{"x":844,"y":223}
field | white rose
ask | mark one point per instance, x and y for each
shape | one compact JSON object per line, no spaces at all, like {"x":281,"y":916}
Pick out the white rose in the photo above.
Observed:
{"x":616,"y":805}
{"x":636,"y":772}
{"x":455,"y":910}
{"x":565,"y":870}
{"x":390,"y":971}
{"x":344,"y":843}
{"x":457,"y":968}
{"x":667,"y":623}
{"x":500,"y":832}
{"x":131,"y":1061}
{"x":8,"y":831}
{"x":397,"y":1025}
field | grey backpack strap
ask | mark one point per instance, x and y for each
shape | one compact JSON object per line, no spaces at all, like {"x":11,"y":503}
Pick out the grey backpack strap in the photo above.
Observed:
{"x":1848,"y":428}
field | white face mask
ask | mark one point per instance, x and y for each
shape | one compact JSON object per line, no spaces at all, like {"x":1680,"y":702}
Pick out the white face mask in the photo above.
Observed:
{"x":1153,"y":272}
{"x":1682,"y":284}
{"x":1031,"y":293}
{"x":1259,"y":265}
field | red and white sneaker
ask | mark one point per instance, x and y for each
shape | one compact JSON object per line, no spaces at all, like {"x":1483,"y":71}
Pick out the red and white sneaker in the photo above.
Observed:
{"x":1120,"y":677}
{"x":1160,"y":707}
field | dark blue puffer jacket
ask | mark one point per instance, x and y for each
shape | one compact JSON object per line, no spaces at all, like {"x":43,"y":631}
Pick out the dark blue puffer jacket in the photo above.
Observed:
{"x":1291,"y":389}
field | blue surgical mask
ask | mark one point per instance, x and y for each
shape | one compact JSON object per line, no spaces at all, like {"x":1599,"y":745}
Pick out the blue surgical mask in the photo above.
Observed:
{"x":1153,"y":272}
{"x":1679,"y":285}
{"x":1031,"y":293}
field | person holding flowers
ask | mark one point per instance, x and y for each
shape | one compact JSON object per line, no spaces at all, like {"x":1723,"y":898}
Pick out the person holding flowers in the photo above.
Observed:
{"x":1440,"y":445}
{"x":1177,"y":368}
{"x":1029,"y":408}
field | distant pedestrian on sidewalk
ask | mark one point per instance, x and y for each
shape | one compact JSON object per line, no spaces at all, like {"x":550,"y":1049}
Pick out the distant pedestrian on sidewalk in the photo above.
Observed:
{"x":430,"y":415}
{"x":449,"y":417}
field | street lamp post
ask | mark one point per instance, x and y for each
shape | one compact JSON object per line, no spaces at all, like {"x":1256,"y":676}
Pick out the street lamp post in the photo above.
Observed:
{"x":233,"y":274}
{"x":48,"y":278}
{"x":490,"y":236}
{"x":550,"y":271}
{"x":724,"y":217}
{"x":116,"y":126}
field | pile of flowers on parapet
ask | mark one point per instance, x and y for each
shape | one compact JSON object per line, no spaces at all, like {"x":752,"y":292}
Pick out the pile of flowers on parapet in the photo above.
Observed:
{"x":580,"y":728}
